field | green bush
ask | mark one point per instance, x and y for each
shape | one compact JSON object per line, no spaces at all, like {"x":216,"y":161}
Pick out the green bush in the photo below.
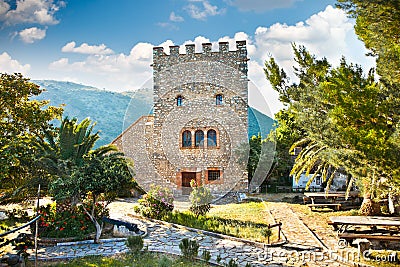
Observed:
{"x":68,"y":223}
{"x":164,"y":262}
{"x":200,"y":199}
{"x":157,"y":203}
{"x":189,"y":248}
{"x":266,"y":232}
{"x":232,"y":263}
{"x":206,"y":255}
{"x":135,"y":244}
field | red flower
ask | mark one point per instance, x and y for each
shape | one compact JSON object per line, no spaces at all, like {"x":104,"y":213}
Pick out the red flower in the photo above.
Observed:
{"x":62,"y":228}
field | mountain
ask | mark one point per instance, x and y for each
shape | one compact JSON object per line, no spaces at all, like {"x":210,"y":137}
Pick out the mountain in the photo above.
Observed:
{"x":113,"y":111}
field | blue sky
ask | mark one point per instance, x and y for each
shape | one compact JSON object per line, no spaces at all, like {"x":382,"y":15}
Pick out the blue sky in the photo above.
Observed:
{"x":108,"y":44}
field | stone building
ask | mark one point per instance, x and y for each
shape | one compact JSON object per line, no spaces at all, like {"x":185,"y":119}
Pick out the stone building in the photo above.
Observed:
{"x":199,"y":121}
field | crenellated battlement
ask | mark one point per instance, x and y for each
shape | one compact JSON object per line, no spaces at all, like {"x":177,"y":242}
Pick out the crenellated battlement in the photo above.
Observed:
{"x":158,"y":51}
{"x":236,"y":58}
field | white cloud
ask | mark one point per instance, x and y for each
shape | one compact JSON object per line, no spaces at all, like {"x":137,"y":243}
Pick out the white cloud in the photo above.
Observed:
{"x":260,"y":5}
{"x":118,"y":72}
{"x":327,"y":34}
{"x":87,"y":49}
{"x":204,"y":11}
{"x":11,"y":65}
{"x":175,"y":18}
{"x":31,"y":35}
{"x":30,"y":11}
{"x":4,"y":7}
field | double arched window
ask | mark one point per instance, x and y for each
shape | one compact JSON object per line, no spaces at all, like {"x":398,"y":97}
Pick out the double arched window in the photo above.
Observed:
{"x":201,"y":138}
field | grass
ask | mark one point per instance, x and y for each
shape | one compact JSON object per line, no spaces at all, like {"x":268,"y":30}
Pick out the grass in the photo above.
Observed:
{"x":253,"y":212}
{"x":245,"y":220}
{"x":146,"y":259}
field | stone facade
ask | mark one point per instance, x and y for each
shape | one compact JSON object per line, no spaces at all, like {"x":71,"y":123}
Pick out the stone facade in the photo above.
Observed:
{"x":199,"y":121}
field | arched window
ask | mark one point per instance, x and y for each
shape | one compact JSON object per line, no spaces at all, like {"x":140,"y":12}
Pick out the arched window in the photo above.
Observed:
{"x":186,"y":139}
{"x":211,"y":138}
{"x":199,"y":138}
{"x":179,"y":100}
{"x":218,"y":99}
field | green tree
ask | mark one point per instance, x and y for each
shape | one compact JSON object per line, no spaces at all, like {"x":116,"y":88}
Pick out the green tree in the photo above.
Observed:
{"x":284,"y":136}
{"x":23,"y":123}
{"x":101,"y":176}
{"x":344,"y":114}
{"x":64,"y":151}
{"x":377,"y":25}
{"x":80,"y":170}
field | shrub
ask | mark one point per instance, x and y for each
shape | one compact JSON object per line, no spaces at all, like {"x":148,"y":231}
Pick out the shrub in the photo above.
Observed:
{"x":266,"y":232}
{"x":200,"y":199}
{"x":206,"y":255}
{"x":164,"y":262}
{"x":157,"y":203}
{"x":68,"y":223}
{"x":189,"y":248}
{"x":232,"y":263}
{"x":219,"y":258}
{"x":135,"y":244}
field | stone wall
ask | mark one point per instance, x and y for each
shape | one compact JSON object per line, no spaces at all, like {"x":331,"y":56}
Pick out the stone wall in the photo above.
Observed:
{"x":198,"y":78}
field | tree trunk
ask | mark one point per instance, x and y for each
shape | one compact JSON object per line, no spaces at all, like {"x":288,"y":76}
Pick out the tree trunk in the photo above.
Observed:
{"x":98,"y":226}
{"x":98,"y":232}
{"x":369,"y":207}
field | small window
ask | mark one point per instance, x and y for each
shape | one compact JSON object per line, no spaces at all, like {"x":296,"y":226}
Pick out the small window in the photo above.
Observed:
{"x":186,"y":139}
{"x":199,"y":138}
{"x":211,"y":138}
{"x":318,"y":180}
{"x":218,"y":99}
{"x":179,"y":100}
{"x":214,"y":175}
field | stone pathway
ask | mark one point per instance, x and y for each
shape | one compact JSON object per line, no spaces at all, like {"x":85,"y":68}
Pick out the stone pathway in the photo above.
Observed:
{"x":302,"y":246}
{"x":297,"y":234}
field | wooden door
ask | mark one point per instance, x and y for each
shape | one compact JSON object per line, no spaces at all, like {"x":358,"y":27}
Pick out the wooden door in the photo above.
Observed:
{"x":186,"y":178}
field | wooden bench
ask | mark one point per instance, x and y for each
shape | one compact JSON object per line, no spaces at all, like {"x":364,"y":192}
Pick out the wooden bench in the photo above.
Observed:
{"x":351,"y":236}
{"x":336,"y":206}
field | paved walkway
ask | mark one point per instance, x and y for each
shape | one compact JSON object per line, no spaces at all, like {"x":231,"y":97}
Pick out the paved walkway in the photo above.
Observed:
{"x":163,"y":238}
{"x":302,"y":246}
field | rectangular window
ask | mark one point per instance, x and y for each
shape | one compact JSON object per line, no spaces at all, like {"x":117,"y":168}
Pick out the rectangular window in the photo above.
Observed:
{"x":318,"y":180}
{"x":213,"y":175}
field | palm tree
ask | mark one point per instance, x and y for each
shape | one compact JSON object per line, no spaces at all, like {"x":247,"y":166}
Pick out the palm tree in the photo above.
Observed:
{"x":64,"y":151}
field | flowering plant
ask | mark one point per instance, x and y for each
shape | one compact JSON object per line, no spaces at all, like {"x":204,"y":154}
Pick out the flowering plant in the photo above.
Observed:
{"x":157,"y":203}
{"x":66,"y":223}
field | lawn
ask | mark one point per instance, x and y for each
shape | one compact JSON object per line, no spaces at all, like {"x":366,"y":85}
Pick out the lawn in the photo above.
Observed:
{"x":146,"y":259}
{"x":244,"y":220}
{"x":253,"y":212}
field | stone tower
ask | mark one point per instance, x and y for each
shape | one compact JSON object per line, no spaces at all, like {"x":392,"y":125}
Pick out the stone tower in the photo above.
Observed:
{"x":199,"y":120}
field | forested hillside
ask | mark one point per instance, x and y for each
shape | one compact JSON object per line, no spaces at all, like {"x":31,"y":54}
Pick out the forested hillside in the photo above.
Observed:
{"x":108,"y":108}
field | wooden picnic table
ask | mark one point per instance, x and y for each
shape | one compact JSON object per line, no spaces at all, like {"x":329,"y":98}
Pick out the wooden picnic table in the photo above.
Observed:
{"x":365,"y":220}
{"x":348,"y":227}
{"x":353,"y":195}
